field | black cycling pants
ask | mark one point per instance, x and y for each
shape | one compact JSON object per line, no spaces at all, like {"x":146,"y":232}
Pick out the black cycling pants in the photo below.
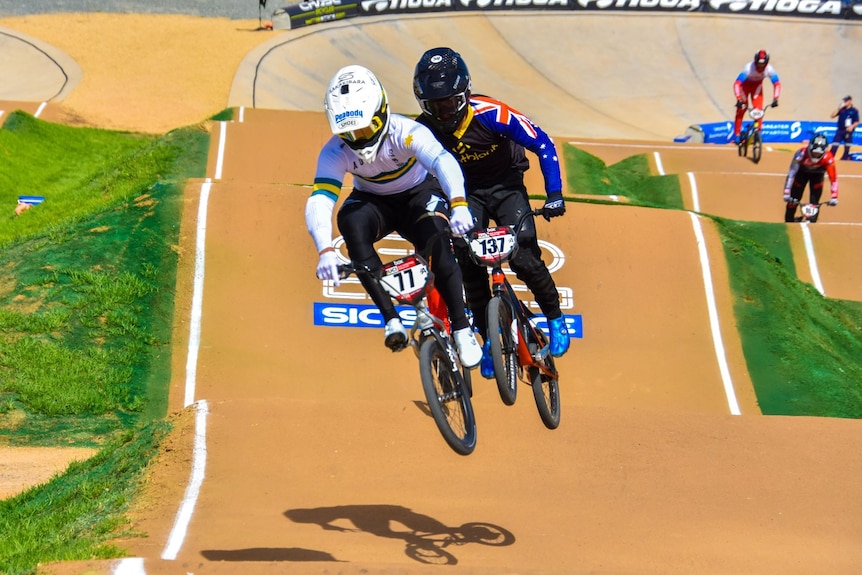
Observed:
{"x":417,"y":215}
{"x":800,"y":180}
{"x":504,"y":203}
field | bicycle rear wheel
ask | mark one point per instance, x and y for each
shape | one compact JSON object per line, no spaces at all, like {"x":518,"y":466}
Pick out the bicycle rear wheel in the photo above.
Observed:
{"x":447,"y":396}
{"x":756,"y":146}
{"x":546,"y":388}
{"x":504,"y":350}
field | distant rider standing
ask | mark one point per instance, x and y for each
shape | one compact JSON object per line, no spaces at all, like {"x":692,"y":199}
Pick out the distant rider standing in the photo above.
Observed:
{"x":848,"y":121}
{"x":749,"y":85}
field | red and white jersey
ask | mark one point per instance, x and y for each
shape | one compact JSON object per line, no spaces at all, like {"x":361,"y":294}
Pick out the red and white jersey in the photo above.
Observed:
{"x":802,"y":162}
{"x":750,"y":79}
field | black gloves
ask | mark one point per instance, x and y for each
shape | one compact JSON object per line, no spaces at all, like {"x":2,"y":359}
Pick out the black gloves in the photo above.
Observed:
{"x":774,"y":104}
{"x":740,"y":104}
{"x":554,"y":206}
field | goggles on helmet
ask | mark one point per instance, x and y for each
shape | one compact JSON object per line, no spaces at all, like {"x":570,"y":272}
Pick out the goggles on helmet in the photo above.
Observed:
{"x":361,"y":137}
{"x":818,"y":147}
{"x":445,"y":108}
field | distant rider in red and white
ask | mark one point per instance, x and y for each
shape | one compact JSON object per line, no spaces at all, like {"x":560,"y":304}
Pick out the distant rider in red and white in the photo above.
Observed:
{"x":749,"y":86}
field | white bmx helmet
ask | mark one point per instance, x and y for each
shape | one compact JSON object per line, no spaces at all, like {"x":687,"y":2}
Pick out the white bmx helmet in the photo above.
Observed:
{"x":358,"y":110}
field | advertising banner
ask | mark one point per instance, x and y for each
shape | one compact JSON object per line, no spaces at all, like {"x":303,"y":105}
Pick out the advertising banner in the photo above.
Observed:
{"x":774,"y":131}
{"x":308,"y":12}
{"x":374,"y":7}
{"x":807,"y":8}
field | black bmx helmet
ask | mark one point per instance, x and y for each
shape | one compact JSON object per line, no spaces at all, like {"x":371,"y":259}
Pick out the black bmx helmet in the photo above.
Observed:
{"x":761,"y":59}
{"x":441,"y":84}
{"x":817,"y":146}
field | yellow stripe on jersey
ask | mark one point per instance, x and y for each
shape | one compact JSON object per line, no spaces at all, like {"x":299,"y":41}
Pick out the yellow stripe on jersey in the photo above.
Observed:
{"x":390,"y":176}
{"x":327,"y":187}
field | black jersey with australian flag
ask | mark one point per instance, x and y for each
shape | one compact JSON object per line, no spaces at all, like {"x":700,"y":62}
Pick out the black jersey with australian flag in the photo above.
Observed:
{"x":490,"y":142}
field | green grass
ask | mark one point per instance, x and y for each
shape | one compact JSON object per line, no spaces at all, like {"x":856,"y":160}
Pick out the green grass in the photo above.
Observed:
{"x":78,"y":514}
{"x":86,"y":308}
{"x":86,"y":287}
{"x":802,"y":350}
{"x":631,"y":178}
{"x":87,"y":284}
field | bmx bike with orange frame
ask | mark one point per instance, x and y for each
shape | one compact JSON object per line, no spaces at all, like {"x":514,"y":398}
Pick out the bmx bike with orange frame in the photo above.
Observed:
{"x":519,"y":348}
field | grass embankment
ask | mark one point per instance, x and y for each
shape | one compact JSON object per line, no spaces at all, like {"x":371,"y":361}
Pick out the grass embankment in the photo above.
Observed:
{"x":801,"y":349}
{"x":87,"y":284}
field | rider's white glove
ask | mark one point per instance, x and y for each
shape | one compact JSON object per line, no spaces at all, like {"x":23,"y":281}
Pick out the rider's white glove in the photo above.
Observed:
{"x":460,"y":220}
{"x":833,"y":202}
{"x":787,"y":197}
{"x":327,"y":267}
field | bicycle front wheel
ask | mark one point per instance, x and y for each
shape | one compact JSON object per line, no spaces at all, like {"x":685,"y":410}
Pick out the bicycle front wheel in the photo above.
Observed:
{"x":546,"y":388}
{"x":756,"y":147}
{"x":504,"y":349}
{"x":447,"y":396}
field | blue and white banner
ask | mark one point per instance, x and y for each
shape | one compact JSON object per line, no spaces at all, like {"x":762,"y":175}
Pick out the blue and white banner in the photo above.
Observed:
{"x":365,"y":315}
{"x":774,"y":131}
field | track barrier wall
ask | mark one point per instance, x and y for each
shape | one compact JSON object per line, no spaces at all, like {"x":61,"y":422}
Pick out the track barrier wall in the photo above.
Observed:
{"x":307,"y":12}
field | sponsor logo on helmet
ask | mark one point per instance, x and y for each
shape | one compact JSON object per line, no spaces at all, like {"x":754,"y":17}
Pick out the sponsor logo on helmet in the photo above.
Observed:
{"x":348,"y":114}
{"x":689,"y":5}
{"x":785,"y":6}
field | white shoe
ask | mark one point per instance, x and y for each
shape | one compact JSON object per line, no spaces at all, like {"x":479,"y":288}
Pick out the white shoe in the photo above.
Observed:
{"x":394,"y":335}
{"x":468,"y":348}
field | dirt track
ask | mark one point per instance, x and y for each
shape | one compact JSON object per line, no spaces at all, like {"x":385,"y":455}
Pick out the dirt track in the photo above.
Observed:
{"x":320,"y":460}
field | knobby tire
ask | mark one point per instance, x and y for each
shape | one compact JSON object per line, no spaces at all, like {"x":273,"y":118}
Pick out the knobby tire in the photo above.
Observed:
{"x":546,"y":389}
{"x":756,"y":147}
{"x":504,"y":348}
{"x":447,"y":396}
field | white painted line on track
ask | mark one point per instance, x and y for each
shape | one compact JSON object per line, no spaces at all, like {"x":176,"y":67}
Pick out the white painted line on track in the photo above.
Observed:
{"x":695,"y":198}
{"x":812,"y":258}
{"x":1,"y":113}
{"x":241,"y":114}
{"x":40,"y":109}
{"x":711,"y":306}
{"x":130,"y":566}
{"x":220,"y":155}
{"x":199,"y":461}
{"x":658,"y":163}
{"x":197,"y":296}
{"x":713,"y":317}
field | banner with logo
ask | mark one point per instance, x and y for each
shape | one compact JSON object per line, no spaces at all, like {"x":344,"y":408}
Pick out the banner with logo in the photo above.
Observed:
{"x":806,"y":8}
{"x":774,"y":131}
{"x":376,"y":7}
{"x":308,"y":12}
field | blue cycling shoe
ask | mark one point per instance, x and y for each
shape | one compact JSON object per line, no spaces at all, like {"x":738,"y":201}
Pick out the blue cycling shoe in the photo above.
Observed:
{"x":486,"y":368}
{"x":559,"y":336}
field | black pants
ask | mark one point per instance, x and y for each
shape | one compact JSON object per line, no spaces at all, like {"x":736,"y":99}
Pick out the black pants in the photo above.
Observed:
{"x":842,"y":137}
{"x":797,"y":188}
{"x":504,"y":203}
{"x":417,"y":215}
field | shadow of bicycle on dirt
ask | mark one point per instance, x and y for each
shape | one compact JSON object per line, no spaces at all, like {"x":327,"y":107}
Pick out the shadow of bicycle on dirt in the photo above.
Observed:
{"x":426,"y":539}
